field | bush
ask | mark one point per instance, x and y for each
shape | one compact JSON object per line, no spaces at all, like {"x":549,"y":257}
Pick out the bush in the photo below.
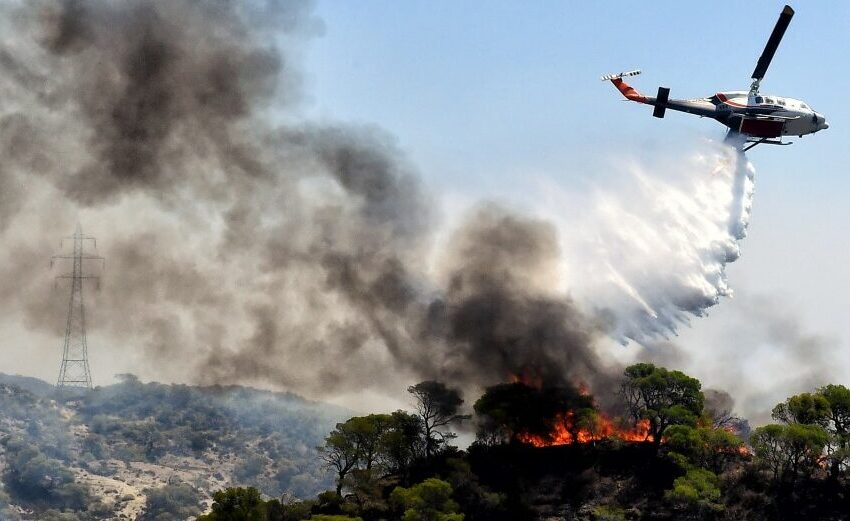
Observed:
{"x":35,"y":479}
{"x":171,"y":502}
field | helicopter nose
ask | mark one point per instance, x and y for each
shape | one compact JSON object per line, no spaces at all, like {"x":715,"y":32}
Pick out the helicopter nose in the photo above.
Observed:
{"x":822,"y":124}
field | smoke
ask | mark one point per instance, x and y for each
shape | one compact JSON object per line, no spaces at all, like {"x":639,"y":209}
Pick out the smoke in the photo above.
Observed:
{"x":244,"y":246}
{"x":499,"y":314}
{"x":762,"y":353}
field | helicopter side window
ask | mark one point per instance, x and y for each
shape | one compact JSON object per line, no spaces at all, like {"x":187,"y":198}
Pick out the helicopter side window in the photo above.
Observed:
{"x":804,"y":105}
{"x":768,"y":101}
{"x":759,"y":100}
{"x":781,"y":102}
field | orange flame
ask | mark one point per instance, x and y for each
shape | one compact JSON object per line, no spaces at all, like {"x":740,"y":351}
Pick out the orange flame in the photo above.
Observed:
{"x":566,"y":432}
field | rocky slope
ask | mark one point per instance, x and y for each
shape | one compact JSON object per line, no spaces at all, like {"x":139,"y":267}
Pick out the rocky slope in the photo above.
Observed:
{"x":152,"y":451}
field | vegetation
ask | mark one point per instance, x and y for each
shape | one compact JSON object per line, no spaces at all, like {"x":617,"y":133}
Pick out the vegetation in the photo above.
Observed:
{"x":179,"y":501}
{"x":541,"y":452}
{"x":437,"y":406}
{"x":661,"y":397}
{"x":48,"y":441}
{"x":550,"y":453}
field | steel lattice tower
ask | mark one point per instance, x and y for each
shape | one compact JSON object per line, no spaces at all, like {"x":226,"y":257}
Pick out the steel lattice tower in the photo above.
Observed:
{"x":74,"y":371}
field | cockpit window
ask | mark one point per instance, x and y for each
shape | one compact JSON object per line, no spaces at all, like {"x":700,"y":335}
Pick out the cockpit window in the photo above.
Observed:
{"x":781,"y":102}
{"x":804,"y":105}
{"x":768,"y":101}
{"x":759,"y":100}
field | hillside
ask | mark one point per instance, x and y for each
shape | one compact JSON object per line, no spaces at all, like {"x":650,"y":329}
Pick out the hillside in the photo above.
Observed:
{"x":152,"y":451}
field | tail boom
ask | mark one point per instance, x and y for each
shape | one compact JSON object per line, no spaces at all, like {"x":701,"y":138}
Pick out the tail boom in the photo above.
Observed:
{"x":628,"y":91}
{"x":625,"y":89}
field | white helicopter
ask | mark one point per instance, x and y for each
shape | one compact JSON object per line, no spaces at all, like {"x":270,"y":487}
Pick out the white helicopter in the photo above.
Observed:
{"x":756,"y":117}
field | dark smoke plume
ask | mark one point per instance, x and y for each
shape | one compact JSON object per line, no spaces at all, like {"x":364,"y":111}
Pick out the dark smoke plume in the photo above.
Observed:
{"x":243,"y":247}
{"x":499,"y":313}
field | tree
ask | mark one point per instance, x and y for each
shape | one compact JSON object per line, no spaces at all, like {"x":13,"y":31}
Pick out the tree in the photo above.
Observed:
{"x":402,"y":444}
{"x":829,"y":408}
{"x":661,"y":397}
{"x":179,"y":501}
{"x":803,"y":408}
{"x":438,"y":407}
{"x":789,"y":450}
{"x":430,"y":500}
{"x":340,"y":452}
{"x":31,"y":477}
{"x":838,"y":398}
{"x":697,"y":493}
{"x":236,"y":504}
{"x":506,"y":412}
{"x":383,"y":443}
{"x":368,"y":433}
{"x":703,"y":447}
{"x":838,"y":425}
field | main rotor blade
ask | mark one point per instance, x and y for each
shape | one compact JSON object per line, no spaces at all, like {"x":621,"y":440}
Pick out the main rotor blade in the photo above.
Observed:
{"x":773,"y":42}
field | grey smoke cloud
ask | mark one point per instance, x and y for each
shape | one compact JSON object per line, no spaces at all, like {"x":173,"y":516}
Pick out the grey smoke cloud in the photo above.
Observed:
{"x":240,"y":249}
{"x":245,"y":248}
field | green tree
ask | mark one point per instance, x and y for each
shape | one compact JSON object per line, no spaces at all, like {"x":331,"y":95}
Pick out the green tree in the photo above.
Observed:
{"x":31,"y":477}
{"x":366,"y":489}
{"x":703,"y":447}
{"x":379,"y":444}
{"x":438,"y":406}
{"x":803,"y":408}
{"x":237,"y":504}
{"x":838,"y":425}
{"x":697,"y":494}
{"x":402,"y":444}
{"x":661,"y":397}
{"x":430,"y":500}
{"x":368,"y":434}
{"x":340,"y":452}
{"x":179,"y":501}
{"x":789,"y":450}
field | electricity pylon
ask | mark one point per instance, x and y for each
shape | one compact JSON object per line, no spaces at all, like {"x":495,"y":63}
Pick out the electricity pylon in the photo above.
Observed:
{"x":74,"y":371}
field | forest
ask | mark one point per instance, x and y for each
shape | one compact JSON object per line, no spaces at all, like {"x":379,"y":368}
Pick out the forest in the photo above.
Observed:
{"x":550,"y":453}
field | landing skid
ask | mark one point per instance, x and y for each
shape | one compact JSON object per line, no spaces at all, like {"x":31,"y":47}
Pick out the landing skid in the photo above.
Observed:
{"x":763,"y":140}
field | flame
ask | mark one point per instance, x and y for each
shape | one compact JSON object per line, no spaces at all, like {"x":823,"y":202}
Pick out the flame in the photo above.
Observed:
{"x":566,"y":432}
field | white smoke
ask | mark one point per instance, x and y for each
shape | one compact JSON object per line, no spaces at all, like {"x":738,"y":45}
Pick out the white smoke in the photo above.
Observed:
{"x":650,"y":251}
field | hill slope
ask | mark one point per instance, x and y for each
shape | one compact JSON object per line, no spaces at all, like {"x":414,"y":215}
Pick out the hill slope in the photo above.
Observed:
{"x":152,"y":451}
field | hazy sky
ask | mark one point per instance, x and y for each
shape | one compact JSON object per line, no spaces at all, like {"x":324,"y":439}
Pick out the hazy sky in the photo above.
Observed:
{"x":489,"y":97}
{"x":497,"y":100}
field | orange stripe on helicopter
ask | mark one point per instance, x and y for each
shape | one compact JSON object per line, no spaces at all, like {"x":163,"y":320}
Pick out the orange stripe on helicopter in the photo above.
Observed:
{"x":628,"y":91}
{"x":725,"y":100}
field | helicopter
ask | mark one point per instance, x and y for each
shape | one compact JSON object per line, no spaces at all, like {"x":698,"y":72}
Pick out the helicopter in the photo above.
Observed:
{"x":752,"y":117}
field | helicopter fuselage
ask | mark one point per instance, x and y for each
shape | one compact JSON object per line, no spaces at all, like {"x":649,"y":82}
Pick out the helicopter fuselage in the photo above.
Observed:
{"x":757,"y":116}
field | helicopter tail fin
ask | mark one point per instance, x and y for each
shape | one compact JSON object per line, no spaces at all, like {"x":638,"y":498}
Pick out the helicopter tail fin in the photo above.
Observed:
{"x":625,"y":89}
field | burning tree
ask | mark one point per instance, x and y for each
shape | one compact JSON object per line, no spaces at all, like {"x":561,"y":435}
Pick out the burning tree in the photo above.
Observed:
{"x":509,"y":412}
{"x":543,"y":416}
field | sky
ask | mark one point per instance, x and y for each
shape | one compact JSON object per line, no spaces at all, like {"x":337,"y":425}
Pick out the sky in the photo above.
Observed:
{"x":489,"y":97}
{"x":502,"y":101}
